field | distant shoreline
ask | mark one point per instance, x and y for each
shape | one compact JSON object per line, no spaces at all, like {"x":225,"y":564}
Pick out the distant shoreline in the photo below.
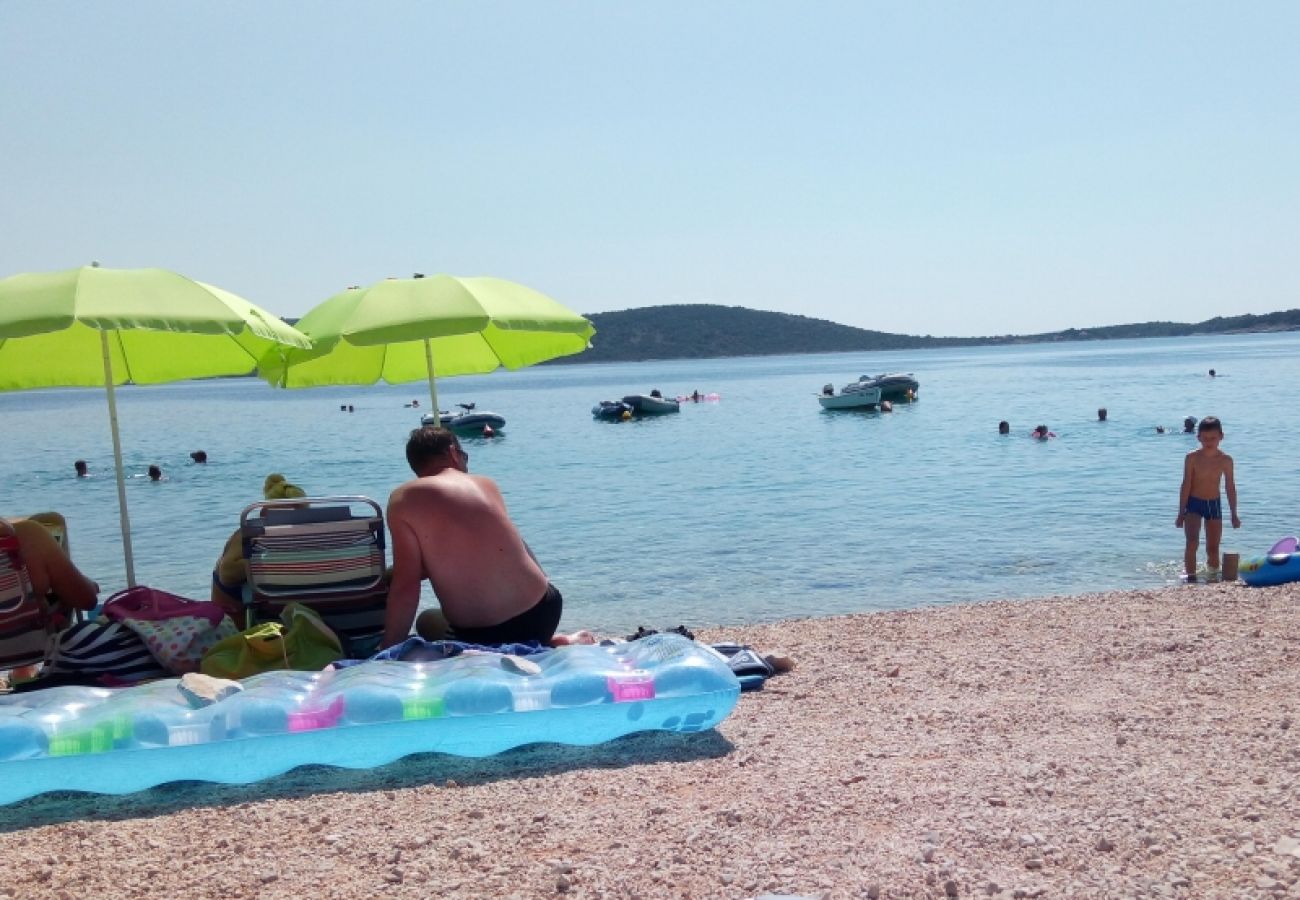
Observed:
{"x":704,"y":331}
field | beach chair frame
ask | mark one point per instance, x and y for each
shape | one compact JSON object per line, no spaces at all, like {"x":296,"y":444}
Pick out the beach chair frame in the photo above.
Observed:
{"x":327,"y":553}
{"x":26,"y":624}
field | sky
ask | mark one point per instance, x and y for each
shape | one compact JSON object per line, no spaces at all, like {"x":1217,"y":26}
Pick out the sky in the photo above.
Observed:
{"x":949,"y":168}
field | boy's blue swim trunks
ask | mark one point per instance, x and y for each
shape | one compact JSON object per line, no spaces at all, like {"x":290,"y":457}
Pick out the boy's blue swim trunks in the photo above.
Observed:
{"x":1206,"y":509}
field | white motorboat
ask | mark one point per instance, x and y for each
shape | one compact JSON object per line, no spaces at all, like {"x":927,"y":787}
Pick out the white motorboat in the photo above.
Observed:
{"x":856,"y":395}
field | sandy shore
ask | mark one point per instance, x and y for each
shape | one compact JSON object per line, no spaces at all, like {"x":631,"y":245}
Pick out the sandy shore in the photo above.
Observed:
{"x":1114,"y":745}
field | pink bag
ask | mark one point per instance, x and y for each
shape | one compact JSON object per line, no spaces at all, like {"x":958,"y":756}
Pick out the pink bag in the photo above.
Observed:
{"x":153,"y":605}
{"x":177,"y":631}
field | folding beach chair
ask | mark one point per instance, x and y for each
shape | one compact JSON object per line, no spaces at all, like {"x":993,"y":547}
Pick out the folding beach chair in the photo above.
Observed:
{"x":326,"y":553}
{"x":26,"y":626}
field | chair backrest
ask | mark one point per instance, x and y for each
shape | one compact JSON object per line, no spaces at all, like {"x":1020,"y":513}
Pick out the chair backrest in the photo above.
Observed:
{"x":326,"y":553}
{"x":26,"y":628}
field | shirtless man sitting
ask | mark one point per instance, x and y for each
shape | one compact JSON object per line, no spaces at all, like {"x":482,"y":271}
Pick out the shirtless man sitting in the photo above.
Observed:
{"x":452,"y":528}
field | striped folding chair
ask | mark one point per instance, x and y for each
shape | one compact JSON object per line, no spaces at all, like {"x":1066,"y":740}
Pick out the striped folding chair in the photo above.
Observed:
{"x":26,"y":626}
{"x":326,"y":553}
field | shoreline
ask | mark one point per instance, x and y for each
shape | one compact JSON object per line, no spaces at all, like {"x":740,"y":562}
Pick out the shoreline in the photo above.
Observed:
{"x":1110,"y":744}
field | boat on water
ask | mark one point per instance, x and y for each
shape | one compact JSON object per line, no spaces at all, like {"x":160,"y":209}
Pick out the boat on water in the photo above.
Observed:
{"x":611,"y":410}
{"x":469,"y":422}
{"x":652,"y":404}
{"x":855,"y":395}
{"x":894,"y":385}
{"x":633,"y":405}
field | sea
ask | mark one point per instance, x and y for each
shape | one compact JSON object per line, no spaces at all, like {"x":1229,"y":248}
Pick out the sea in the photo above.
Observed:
{"x":757,"y":506}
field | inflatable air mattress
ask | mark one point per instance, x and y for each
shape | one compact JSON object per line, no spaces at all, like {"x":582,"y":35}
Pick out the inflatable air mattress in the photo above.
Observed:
{"x":115,"y":741}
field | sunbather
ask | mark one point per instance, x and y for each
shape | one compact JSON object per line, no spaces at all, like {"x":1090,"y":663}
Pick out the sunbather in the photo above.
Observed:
{"x":51,"y":570}
{"x":452,"y":528}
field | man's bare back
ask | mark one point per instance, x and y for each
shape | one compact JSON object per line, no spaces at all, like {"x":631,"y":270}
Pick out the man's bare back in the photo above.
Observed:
{"x":452,"y":528}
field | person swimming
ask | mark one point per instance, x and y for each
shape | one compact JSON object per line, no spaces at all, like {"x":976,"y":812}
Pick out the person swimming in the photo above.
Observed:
{"x":1004,"y":427}
{"x":1041,"y":433}
{"x":82,"y":470}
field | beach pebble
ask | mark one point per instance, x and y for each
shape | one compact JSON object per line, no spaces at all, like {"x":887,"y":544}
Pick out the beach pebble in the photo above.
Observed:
{"x":1287,"y":846}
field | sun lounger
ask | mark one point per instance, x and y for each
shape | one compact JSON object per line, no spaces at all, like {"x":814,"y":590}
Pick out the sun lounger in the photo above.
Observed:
{"x":26,"y":628}
{"x":326,"y":553}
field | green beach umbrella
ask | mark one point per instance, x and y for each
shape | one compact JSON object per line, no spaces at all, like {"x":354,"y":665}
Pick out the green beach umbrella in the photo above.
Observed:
{"x":406,"y":329}
{"x":88,"y":327}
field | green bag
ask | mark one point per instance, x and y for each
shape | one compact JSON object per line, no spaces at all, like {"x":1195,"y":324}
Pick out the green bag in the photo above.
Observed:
{"x":301,"y":640}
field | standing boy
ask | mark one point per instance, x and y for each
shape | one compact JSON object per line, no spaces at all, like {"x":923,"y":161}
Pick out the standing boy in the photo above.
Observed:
{"x":1199,"y":497}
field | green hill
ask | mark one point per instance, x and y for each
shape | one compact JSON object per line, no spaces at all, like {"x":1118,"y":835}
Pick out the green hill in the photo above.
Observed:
{"x":702,"y":331}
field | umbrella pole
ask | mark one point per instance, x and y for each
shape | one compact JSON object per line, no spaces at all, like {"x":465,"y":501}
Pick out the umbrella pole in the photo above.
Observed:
{"x":433,"y":391}
{"x":117,"y":459}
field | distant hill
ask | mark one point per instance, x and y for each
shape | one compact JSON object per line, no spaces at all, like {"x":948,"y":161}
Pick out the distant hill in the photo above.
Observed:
{"x":703,"y":331}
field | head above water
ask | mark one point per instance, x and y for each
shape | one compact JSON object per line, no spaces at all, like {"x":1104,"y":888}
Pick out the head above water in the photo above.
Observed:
{"x":199,"y":456}
{"x":429,"y":449}
{"x":1189,"y":424}
{"x":80,"y":466}
{"x":1101,"y":414}
{"x":155,"y":473}
{"x":1004,"y":427}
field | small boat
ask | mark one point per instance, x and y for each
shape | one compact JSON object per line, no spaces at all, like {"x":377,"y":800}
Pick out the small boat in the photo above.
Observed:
{"x":894,"y":385}
{"x":651,"y":404}
{"x":469,"y":422}
{"x":611,"y":410}
{"x":856,"y":395}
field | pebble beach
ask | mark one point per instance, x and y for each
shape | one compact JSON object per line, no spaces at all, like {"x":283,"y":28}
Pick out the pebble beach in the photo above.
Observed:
{"x":1123,"y":744}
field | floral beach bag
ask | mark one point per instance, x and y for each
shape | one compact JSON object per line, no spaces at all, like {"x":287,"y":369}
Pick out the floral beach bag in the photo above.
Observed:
{"x":177,"y":631}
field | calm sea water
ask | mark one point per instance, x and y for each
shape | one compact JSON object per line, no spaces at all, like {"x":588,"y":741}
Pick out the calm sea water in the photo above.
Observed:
{"x":757,"y":507}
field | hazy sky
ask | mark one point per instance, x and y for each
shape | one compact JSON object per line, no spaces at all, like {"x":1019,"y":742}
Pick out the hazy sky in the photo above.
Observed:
{"x":955,"y":168}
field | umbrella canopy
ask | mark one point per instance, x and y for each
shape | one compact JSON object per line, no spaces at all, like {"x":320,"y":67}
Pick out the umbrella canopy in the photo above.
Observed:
{"x":405,"y":329}
{"x":90,"y":326}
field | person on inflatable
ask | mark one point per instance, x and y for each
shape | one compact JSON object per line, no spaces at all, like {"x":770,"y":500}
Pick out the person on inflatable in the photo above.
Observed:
{"x":1198,"y":498}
